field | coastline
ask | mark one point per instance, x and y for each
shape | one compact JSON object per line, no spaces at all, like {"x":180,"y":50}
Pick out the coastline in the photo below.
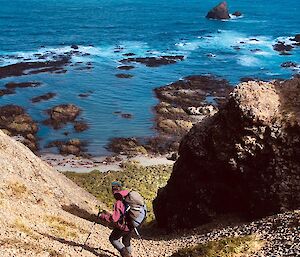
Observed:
{"x":102,"y":163}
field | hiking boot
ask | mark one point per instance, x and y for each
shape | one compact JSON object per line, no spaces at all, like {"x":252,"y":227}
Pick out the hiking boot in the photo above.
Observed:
{"x":125,"y":253}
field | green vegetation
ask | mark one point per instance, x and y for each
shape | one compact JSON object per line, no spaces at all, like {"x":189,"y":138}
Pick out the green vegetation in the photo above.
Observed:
{"x":228,"y":247}
{"x":146,"y":180}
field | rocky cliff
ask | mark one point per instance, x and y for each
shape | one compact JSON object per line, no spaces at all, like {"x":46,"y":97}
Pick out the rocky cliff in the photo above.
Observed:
{"x":245,"y":159}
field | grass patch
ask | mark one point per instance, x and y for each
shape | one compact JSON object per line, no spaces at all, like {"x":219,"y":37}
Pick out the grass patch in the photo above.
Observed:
{"x":242,"y":246}
{"x":146,"y":180}
{"x":61,"y":227}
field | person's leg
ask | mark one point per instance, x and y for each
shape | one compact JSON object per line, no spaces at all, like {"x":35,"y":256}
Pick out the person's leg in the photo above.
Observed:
{"x":114,"y":238}
{"x":126,"y":240}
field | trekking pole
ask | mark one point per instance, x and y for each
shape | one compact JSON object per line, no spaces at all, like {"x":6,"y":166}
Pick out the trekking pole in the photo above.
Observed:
{"x":139,"y":236}
{"x":91,"y":230}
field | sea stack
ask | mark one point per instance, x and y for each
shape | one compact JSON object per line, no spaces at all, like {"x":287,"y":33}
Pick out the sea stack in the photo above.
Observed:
{"x":219,"y":12}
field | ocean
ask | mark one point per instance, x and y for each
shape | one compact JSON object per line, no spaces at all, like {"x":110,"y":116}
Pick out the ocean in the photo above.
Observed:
{"x":105,"y":30}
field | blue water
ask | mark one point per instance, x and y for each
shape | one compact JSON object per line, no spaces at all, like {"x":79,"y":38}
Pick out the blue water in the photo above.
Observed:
{"x":146,"y":28}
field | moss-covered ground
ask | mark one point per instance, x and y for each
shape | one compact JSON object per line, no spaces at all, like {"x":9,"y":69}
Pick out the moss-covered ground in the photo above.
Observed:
{"x":146,"y":180}
{"x":240,"y":246}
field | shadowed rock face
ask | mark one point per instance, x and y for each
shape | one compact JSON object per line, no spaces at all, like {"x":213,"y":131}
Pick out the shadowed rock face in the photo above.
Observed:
{"x":245,"y":159}
{"x":220,"y":12}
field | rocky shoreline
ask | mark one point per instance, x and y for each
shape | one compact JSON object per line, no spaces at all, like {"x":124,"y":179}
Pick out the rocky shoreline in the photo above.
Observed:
{"x":181,"y":104}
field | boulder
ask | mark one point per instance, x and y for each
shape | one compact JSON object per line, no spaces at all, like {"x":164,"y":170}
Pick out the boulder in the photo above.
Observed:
{"x":245,"y":159}
{"x":219,"y":12}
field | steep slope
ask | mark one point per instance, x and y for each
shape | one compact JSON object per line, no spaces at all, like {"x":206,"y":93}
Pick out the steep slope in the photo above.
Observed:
{"x":245,"y":159}
{"x":32,"y":199}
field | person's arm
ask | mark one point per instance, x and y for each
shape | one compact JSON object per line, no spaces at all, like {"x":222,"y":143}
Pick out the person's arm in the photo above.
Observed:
{"x":116,"y":215}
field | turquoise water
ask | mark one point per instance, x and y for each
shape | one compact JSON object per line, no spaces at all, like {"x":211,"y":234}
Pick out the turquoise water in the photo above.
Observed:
{"x":146,"y":28}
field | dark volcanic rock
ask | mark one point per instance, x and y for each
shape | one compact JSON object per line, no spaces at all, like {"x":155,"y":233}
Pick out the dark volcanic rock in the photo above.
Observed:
{"x":17,"y":122}
{"x":13,"y":85}
{"x":282,"y":47}
{"x":220,"y":12}
{"x":155,"y":61}
{"x":74,"y":47}
{"x":126,"y":67}
{"x":19,"y":69}
{"x":289,"y":65}
{"x":296,"y":38}
{"x":237,"y":14}
{"x":7,"y":92}
{"x":124,"y":76}
{"x":61,"y":114}
{"x":245,"y":159}
{"x":129,"y":54}
{"x":44,"y":97}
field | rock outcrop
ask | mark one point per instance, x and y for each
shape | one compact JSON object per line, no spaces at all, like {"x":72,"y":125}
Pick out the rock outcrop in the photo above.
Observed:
{"x":62,"y":114}
{"x":245,"y":159}
{"x":219,"y":12}
{"x":16,"y":122}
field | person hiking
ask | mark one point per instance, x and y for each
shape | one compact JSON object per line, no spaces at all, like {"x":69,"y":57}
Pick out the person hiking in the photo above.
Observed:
{"x":122,"y":228}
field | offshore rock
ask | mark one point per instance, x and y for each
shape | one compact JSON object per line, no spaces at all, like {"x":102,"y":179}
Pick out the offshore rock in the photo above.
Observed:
{"x":219,"y":12}
{"x":62,"y":114}
{"x":245,"y":159}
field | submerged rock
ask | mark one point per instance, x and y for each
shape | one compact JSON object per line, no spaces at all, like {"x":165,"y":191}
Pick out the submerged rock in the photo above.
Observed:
{"x":219,"y":12}
{"x":80,"y":126}
{"x":245,"y":159}
{"x":126,"y":67}
{"x":7,"y":92}
{"x":124,"y":76}
{"x":19,"y":69}
{"x":13,"y":85}
{"x":44,"y":97}
{"x":155,"y":61}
